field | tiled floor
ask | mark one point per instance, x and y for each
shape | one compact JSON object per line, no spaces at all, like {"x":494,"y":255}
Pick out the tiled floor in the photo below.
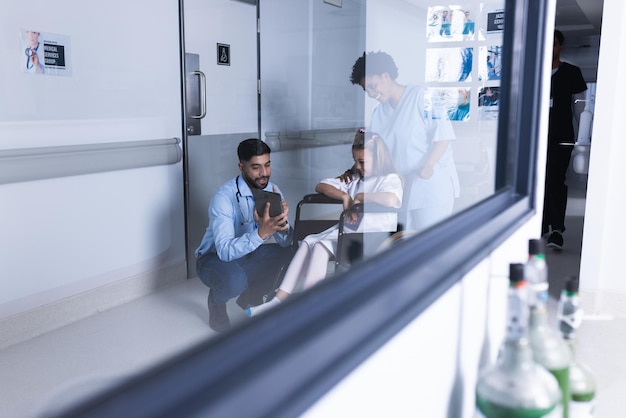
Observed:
{"x":90,"y":354}
{"x":49,"y":371}
{"x":601,"y":347}
{"x":601,"y":338}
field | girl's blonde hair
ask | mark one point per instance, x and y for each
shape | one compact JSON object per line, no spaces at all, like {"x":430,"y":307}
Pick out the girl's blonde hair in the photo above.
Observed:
{"x":371,"y":141}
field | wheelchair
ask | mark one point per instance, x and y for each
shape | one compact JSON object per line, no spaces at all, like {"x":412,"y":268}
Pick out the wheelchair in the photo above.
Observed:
{"x":317,"y":212}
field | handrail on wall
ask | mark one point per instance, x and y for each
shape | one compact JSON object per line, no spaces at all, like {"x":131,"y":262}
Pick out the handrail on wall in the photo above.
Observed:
{"x":28,"y":164}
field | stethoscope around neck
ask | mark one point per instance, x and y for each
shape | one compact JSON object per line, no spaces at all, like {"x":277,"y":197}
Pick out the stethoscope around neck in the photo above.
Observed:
{"x":29,"y":53}
{"x":237,"y":195}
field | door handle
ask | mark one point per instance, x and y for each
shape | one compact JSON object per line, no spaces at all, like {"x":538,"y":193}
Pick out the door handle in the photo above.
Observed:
{"x":202,"y":77}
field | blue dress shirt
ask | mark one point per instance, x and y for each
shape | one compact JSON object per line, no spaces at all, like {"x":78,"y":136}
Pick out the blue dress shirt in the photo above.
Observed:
{"x":232,"y":232}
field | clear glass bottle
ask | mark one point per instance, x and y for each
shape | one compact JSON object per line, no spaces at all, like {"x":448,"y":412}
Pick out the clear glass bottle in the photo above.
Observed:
{"x":549,"y":349}
{"x":516,"y":386}
{"x":582,"y":383}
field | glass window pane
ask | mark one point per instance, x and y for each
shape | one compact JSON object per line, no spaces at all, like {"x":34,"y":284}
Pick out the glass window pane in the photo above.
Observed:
{"x":420,"y":79}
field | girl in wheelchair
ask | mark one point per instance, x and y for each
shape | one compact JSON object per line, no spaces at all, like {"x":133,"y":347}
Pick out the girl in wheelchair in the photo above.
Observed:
{"x":375,"y":181}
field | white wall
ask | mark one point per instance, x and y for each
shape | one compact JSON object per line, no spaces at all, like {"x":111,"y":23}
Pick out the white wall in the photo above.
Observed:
{"x":407,"y":378}
{"x":381,"y":36}
{"x":601,"y":271}
{"x":429,"y":369}
{"x":124,"y":73}
{"x":300,"y":93}
{"x":61,"y":237}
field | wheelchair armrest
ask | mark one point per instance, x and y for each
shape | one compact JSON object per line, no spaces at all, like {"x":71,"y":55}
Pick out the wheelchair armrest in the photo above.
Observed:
{"x":319,"y":198}
{"x":350,"y":246}
{"x":304,"y":227}
{"x":367,"y":208}
{"x":371,"y":208}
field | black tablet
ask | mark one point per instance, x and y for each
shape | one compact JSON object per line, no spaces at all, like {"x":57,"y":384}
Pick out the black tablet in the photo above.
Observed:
{"x":261,"y":197}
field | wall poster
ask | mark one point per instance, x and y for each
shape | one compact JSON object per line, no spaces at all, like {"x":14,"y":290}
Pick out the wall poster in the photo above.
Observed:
{"x":45,"y":53}
{"x":464,"y":60}
{"x":448,"y":102}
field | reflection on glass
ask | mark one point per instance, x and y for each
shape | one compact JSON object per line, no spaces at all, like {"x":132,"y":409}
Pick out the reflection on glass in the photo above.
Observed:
{"x":454,"y":102}
{"x":373,"y":181}
{"x":490,"y":59}
{"x":488,"y":103}
{"x":449,"y":64}
{"x":435,"y":107}
{"x":418,"y":133}
{"x":426,"y":88}
{"x":450,"y":23}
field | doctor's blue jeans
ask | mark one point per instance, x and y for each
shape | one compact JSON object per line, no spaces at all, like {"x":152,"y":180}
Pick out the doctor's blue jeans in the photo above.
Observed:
{"x":228,"y":279}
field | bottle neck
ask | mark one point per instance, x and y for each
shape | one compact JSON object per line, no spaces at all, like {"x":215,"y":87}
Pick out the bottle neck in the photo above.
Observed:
{"x":569,"y":314}
{"x":571,"y":343}
{"x":538,"y":260}
{"x":517,"y":313}
{"x":538,"y":316}
{"x":537,"y":276}
{"x":516,"y":351}
{"x":516,"y":354}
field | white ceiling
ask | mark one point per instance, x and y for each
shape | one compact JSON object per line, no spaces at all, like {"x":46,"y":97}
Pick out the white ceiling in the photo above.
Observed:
{"x":580,"y":21}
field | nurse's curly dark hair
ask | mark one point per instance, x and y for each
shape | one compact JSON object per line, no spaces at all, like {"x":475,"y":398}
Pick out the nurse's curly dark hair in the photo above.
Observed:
{"x":377,"y":63}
